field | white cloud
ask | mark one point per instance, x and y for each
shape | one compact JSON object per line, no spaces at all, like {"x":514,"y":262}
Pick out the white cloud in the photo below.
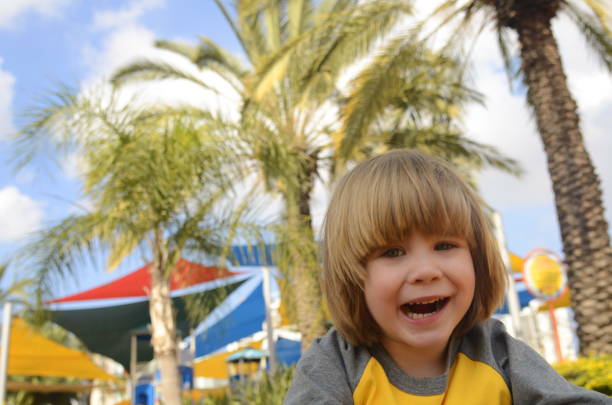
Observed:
{"x":133,"y":43}
{"x":19,"y":214}
{"x":125,"y":40}
{"x":125,"y":16}
{"x":11,"y":10}
{"x":505,"y":123}
{"x":129,"y":42}
{"x":118,"y":48}
{"x":6,"y":102}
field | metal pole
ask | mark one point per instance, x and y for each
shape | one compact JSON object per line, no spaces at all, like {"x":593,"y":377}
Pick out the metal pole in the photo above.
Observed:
{"x":6,"y":337}
{"x":555,"y":328}
{"x":192,"y":346}
{"x":514,"y":306}
{"x":269,"y":327}
{"x":133,"y":362}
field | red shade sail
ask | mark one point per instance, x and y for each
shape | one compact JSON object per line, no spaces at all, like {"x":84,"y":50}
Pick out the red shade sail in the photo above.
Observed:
{"x":138,"y":282}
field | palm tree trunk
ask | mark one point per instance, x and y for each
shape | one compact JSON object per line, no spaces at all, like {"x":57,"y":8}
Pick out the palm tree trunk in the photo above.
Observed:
{"x":306,"y":271}
{"x":578,"y":197}
{"x":164,"y":334}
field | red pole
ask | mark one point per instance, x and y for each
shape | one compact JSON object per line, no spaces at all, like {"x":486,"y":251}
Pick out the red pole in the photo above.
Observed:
{"x":553,"y":322}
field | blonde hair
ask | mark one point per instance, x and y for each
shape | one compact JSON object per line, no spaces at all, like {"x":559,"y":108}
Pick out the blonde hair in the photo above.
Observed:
{"x":384,"y":199}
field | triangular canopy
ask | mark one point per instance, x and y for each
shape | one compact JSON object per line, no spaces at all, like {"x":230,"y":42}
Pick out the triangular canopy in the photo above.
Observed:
{"x":104,"y":318}
{"x":32,"y":354}
{"x":138,"y":282}
{"x":240,"y":315}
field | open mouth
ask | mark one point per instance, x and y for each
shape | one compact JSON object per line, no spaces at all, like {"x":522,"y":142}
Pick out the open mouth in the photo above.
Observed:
{"x":419,"y":310}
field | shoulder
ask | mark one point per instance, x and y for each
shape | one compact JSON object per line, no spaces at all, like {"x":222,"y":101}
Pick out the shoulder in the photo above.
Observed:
{"x":528,"y":375}
{"x":487,"y":342}
{"x":328,"y":370}
{"x":333,"y":352}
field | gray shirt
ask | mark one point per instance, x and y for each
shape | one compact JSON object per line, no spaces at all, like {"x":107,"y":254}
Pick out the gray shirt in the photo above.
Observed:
{"x":486,"y":366}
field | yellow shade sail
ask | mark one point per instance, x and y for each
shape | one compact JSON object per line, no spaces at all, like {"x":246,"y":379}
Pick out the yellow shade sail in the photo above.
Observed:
{"x":32,"y":354}
{"x":516,"y":263}
{"x":214,"y":366}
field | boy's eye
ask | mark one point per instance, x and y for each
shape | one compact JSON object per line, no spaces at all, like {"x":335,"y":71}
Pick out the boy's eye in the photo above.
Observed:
{"x":392,"y":252}
{"x":445,"y":246}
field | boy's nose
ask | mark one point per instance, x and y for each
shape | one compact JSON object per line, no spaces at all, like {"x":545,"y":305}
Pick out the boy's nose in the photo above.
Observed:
{"x":423,"y":271}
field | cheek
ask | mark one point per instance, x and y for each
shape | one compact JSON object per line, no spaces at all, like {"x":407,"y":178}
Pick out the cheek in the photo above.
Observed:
{"x":380,"y":282}
{"x":377,"y":291}
{"x":371,"y":290}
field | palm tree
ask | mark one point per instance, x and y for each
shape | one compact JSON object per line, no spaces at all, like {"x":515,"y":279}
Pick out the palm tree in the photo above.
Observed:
{"x":155,"y":181}
{"x":584,"y":229}
{"x":282,"y":135}
{"x":578,"y":198}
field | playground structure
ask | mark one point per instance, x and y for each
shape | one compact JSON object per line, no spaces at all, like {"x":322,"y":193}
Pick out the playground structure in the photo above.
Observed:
{"x":234,"y":341}
{"x":113,"y":320}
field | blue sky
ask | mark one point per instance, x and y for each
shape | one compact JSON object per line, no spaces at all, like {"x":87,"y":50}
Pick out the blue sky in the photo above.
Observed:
{"x":74,"y":42}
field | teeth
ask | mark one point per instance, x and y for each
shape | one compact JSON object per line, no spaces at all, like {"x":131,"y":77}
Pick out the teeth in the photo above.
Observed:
{"x":413,"y":315}
{"x":427,"y":302}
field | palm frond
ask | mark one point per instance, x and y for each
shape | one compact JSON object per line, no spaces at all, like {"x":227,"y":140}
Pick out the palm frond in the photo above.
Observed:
{"x":446,"y":12}
{"x":352,"y":40}
{"x":125,"y":244}
{"x":503,"y":41}
{"x":334,"y":43}
{"x":59,"y":250}
{"x":64,"y":122}
{"x":373,"y":89}
{"x":148,"y":70}
{"x":451,"y":145}
{"x":187,"y":51}
{"x":272,"y":21}
{"x":44,"y":121}
{"x":299,"y":14}
{"x":235,"y":29}
{"x":208,"y":53}
{"x":252,"y":17}
{"x":16,"y":290}
{"x":595,"y":28}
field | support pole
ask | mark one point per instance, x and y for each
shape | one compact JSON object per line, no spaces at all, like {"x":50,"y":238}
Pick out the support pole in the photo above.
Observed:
{"x":6,"y":337}
{"x":555,"y":328}
{"x":192,"y":347}
{"x":269,"y":326}
{"x":514,"y":306}
{"x":133,"y":362}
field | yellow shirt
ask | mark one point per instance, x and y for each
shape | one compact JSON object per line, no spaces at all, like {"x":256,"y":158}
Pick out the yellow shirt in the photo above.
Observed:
{"x":375,"y":388}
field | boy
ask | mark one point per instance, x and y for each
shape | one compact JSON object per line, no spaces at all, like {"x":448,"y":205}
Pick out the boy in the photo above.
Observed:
{"x":412,"y":274}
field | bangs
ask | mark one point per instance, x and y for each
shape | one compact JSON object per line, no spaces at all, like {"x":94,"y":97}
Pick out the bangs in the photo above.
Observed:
{"x":396,"y":197}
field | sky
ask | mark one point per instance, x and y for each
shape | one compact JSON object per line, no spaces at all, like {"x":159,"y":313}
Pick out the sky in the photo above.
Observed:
{"x":45,"y":43}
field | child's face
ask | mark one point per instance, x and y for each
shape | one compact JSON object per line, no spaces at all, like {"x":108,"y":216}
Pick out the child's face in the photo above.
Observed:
{"x":419,"y":289}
